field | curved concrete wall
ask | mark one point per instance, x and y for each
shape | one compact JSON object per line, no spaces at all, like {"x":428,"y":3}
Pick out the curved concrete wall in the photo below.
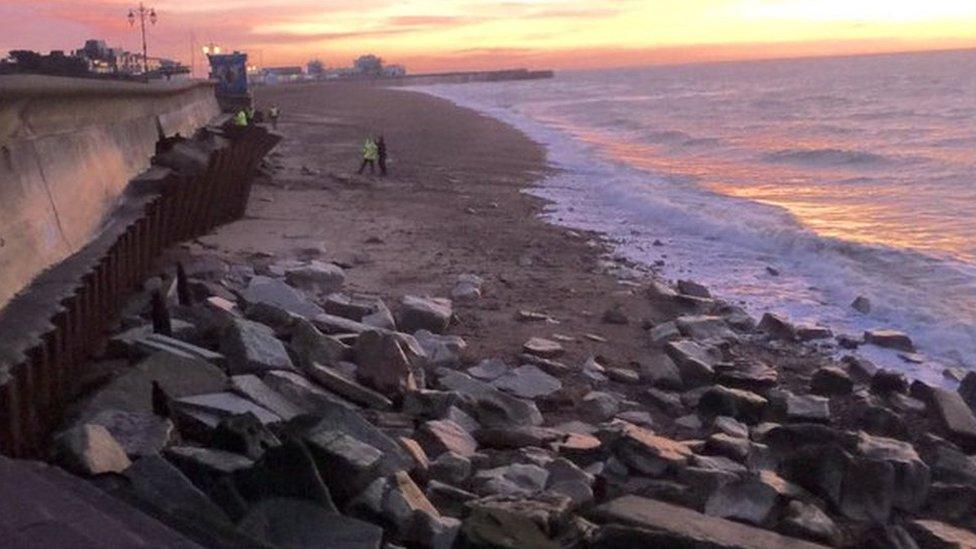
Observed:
{"x":68,"y":148}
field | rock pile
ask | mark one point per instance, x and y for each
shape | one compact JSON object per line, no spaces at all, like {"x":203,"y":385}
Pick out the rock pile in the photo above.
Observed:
{"x":288,"y":414}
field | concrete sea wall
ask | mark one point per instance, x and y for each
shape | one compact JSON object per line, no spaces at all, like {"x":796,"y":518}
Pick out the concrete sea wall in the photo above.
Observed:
{"x":68,"y":147}
{"x":82,"y":224}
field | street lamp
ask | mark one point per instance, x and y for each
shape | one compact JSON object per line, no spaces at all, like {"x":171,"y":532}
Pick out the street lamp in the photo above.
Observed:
{"x":211,"y":48}
{"x":142,"y":12}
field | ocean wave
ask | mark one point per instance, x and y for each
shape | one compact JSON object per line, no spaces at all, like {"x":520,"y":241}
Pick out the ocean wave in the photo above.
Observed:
{"x":824,"y":157}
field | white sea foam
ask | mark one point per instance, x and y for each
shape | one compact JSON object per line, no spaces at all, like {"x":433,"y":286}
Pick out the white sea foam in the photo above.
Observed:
{"x":858,"y":205}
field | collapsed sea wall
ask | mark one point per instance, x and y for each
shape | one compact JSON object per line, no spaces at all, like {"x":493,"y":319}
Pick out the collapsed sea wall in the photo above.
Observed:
{"x":83,"y":213}
{"x":67,"y":149}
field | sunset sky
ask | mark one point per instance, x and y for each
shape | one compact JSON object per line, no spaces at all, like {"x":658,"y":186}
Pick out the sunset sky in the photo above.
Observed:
{"x":473,"y":34}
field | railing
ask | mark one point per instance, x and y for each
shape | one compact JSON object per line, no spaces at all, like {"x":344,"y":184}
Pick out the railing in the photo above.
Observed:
{"x":51,"y":328}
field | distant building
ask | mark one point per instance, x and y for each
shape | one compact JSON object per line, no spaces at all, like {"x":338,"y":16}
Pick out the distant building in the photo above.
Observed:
{"x":393,"y":71}
{"x":281,"y":75}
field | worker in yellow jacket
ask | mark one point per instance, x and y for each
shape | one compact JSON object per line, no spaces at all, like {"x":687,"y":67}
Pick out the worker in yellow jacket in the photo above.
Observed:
{"x":371,"y":153}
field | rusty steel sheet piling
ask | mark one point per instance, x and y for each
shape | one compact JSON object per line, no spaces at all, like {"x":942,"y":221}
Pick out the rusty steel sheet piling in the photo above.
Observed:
{"x":50,"y":329}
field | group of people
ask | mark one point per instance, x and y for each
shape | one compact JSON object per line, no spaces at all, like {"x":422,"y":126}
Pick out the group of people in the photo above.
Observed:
{"x":374,"y":149}
{"x":245,"y":116}
{"x":374,"y":153}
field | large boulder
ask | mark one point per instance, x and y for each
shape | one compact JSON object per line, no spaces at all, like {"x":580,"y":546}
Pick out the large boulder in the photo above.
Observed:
{"x":383,"y":362}
{"x":252,"y":348}
{"x":286,"y":471}
{"x":489,"y":406}
{"x":424,"y":313}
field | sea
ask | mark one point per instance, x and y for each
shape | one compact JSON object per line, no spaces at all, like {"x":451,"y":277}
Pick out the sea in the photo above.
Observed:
{"x":790,"y":186}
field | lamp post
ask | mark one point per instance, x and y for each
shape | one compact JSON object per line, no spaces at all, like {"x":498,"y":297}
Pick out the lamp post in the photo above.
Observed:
{"x":143,"y":13}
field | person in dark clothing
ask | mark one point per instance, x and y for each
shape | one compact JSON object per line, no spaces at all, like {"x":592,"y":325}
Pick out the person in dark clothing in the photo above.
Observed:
{"x":381,"y":156}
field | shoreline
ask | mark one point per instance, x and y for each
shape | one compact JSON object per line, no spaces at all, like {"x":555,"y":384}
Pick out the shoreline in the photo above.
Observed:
{"x":799,"y":294}
{"x":638,"y":389}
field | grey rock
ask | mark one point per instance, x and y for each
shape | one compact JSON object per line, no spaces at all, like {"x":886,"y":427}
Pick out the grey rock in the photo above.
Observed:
{"x":383,"y":362}
{"x":649,"y":454}
{"x":518,"y":437}
{"x":297,"y":524}
{"x":338,"y":383}
{"x":666,"y":401}
{"x":489,"y":406}
{"x":705,"y":328}
{"x":830,"y":381}
{"x":692,"y":288}
{"x":275,"y":292}
{"x":428,"y":403}
{"x":205,"y":467}
{"x":138,"y":433}
{"x":692,"y":360}
{"x":286,"y":471}
{"x":955,"y":416}
{"x":778,"y":327}
{"x":226,"y":404}
{"x":177,"y":376}
{"x":450,"y":468}
{"x":624,"y":375}
{"x":488,"y":369}
{"x":251,"y":387}
{"x":805,"y":520}
{"x":244,"y":434}
{"x":440,"y":436}
{"x":467,"y":288}
{"x":542,"y":347}
{"x":442,"y":350}
{"x":316,"y":277}
{"x":890,"y":339}
{"x":664,"y":332}
{"x":538,"y":521}
{"x":911,"y":477}
{"x":598,"y":406}
{"x":354,"y":307}
{"x":861,"y":304}
{"x":739,"y":404}
{"x":730,"y":426}
{"x":302,"y":393}
{"x":647,"y":523}
{"x":449,"y":500}
{"x":154,"y":481}
{"x":332,"y":324}
{"x":252,"y":348}
{"x":808,"y":408}
{"x":527,"y":381}
{"x":425,"y":313}
{"x":313,"y":347}
{"x":660,"y":371}
{"x":517,"y":479}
